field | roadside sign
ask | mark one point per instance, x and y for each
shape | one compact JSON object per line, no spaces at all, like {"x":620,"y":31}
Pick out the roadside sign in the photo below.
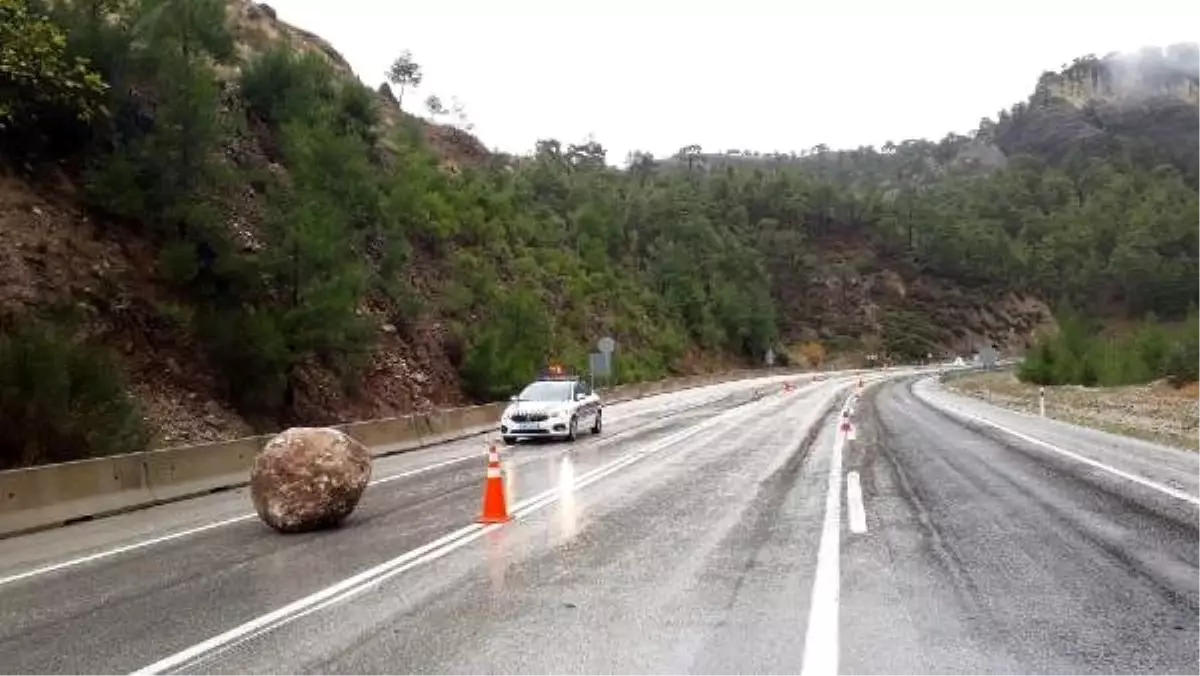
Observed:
{"x":600,"y":364}
{"x":606,"y":345}
{"x":988,"y":356}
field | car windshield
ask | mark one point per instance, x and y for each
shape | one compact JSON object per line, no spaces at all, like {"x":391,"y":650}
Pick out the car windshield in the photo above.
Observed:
{"x":546,"y":390}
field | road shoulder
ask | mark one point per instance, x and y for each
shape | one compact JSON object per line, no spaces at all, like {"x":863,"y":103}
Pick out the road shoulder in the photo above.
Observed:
{"x":1175,"y":469}
{"x":1154,"y":412}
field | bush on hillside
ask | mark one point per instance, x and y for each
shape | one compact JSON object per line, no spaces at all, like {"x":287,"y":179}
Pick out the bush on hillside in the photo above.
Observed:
{"x":48,"y":93}
{"x":814,"y":354}
{"x":282,"y":85}
{"x":1081,"y":355}
{"x":62,"y":400}
{"x":509,"y":349}
{"x":1182,"y":362}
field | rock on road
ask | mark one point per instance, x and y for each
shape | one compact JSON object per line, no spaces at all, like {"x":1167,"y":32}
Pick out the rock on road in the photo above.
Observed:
{"x":704,"y":531}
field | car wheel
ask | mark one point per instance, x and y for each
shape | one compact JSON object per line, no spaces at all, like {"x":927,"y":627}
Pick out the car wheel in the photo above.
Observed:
{"x":573,"y":429}
{"x":597,"y":424}
{"x":509,"y":441}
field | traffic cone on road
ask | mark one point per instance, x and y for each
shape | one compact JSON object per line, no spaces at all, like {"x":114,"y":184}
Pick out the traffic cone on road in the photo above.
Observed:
{"x":495,"y":503}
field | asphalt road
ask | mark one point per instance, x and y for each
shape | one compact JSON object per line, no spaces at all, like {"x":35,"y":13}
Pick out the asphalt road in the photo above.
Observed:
{"x":121,"y":612}
{"x":989,"y":553}
{"x":727,"y":529}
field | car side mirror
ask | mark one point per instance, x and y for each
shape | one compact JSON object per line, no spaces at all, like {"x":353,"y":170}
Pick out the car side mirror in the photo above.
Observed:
{"x":580,"y":396}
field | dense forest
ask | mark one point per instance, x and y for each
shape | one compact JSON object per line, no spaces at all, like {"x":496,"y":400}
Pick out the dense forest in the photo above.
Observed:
{"x":297,"y":218}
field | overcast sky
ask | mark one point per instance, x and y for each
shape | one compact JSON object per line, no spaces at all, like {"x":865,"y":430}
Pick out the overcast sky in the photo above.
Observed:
{"x":784,"y":75}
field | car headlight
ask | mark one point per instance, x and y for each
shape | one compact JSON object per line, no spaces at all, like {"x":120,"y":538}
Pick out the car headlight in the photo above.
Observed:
{"x":559,"y":414}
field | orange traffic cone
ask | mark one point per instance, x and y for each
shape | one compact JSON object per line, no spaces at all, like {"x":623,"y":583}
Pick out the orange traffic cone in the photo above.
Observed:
{"x":495,"y":504}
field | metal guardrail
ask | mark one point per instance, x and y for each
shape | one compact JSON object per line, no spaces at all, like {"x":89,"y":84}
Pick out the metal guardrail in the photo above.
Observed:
{"x":35,"y":498}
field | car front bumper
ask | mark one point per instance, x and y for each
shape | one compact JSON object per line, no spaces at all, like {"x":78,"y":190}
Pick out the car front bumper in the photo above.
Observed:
{"x":548,"y":428}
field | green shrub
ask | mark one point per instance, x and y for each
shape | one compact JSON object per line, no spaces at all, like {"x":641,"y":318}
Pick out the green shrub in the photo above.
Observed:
{"x":1182,"y":363}
{"x":62,"y":400}
{"x":1080,"y":355}
{"x":249,"y":349}
{"x":510,"y":348}
{"x":46,"y":90}
{"x":282,"y":85}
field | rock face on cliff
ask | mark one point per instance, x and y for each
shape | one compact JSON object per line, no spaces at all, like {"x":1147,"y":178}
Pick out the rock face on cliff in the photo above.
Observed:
{"x":860,"y":290}
{"x":307,"y":478}
{"x":1149,"y":97}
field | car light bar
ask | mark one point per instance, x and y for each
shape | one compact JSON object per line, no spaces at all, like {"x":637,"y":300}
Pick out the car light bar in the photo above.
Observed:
{"x":555,"y":372}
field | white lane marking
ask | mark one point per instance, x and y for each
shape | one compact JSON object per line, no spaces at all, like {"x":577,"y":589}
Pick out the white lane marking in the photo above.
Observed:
{"x":300,"y":604}
{"x":821,"y":638}
{"x":369,"y":578}
{"x":1166,"y":490}
{"x":854,"y":504}
{"x":120,"y":550}
{"x":71,"y":563}
{"x":426,"y":468}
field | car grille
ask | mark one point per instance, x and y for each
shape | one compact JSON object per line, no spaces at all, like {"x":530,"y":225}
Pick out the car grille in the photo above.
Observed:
{"x":530,"y":417}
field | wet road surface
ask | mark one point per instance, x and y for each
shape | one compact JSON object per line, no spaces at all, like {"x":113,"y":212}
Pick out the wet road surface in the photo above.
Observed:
{"x":120,"y":613}
{"x":735,"y":528}
{"x":986,"y":553}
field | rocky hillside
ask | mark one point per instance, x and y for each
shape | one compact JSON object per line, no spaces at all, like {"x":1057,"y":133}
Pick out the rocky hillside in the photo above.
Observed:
{"x":60,"y":250}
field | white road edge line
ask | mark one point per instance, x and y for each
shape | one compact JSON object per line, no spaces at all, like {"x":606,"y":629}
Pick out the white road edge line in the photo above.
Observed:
{"x":854,"y":504}
{"x":71,"y":563}
{"x":366,"y":579}
{"x":821,"y":648}
{"x":1166,"y":490}
{"x":104,"y":554}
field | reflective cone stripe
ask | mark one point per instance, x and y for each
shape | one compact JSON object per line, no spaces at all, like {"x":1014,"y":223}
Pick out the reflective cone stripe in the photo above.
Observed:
{"x":495,"y":503}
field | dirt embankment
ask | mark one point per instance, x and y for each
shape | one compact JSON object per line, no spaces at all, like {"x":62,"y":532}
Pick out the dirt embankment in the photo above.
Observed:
{"x":1156,"y":411}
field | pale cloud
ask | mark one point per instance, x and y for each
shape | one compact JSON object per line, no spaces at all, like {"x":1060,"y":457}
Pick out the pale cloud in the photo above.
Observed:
{"x":746,"y":74}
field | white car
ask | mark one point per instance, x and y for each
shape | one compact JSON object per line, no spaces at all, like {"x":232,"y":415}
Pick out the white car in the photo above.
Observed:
{"x":553,"y":407}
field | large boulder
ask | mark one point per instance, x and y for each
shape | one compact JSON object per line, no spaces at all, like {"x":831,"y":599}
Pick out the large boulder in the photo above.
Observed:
{"x":306,"y":478}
